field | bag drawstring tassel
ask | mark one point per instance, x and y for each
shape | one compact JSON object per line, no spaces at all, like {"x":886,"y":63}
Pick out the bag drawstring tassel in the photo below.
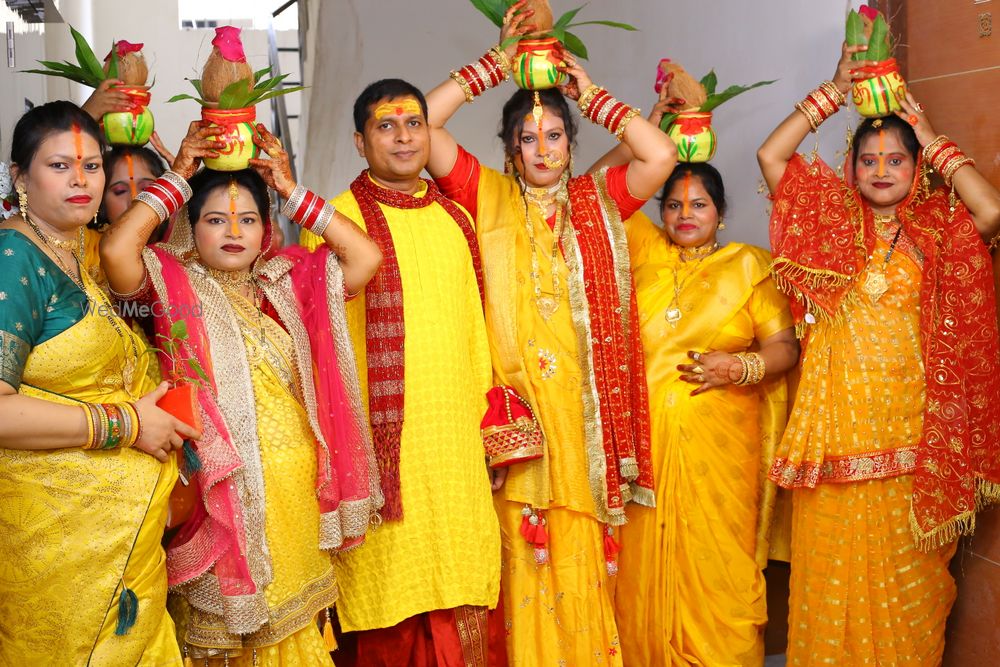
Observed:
{"x":128,"y":610}
{"x":191,"y":461}
{"x":328,"y":639}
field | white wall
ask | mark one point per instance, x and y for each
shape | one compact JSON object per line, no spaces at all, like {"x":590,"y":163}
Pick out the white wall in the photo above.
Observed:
{"x":359,"y":41}
{"x":173,"y":55}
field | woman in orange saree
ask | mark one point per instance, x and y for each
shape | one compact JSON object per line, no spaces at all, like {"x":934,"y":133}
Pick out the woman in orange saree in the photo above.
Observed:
{"x":892,"y":445}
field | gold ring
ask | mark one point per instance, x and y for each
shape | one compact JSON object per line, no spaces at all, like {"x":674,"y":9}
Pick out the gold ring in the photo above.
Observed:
{"x":696,"y":356}
{"x":920,"y":107}
{"x":698,"y":369}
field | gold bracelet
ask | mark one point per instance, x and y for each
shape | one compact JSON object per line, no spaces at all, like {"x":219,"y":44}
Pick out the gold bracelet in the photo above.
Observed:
{"x":932,"y":147}
{"x":623,"y":123}
{"x":466,"y":88}
{"x":587,"y":96}
{"x":954,"y":165}
{"x":831,"y":88}
{"x":502,"y":60}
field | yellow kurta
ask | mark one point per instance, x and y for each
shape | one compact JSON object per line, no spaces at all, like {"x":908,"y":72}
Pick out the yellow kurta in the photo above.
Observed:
{"x":77,"y":524}
{"x":303,"y":583}
{"x":445,"y":552}
{"x":559,"y":612}
{"x":690,"y":591}
{"x":861,"y":593}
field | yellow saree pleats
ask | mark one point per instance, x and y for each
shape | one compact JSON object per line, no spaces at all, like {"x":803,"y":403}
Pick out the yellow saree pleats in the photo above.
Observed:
{"x":690,"y":589}
{"x":78,"y":525}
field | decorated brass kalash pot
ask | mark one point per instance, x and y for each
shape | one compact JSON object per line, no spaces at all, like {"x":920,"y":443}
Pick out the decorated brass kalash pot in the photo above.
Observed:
{"x":133,"y":127}
{"x":879,"y":88}
{"x":690,"y":128}
{"x":536,"y":64}
{"x":693,"y":135}
{"x":236,"y":130}
{"x":228,"y":92}
{"x":879,"y":94}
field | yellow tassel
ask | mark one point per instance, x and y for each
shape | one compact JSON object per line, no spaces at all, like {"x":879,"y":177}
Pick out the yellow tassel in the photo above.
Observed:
{"x":328,"y":638}
{"x":188,"y":662}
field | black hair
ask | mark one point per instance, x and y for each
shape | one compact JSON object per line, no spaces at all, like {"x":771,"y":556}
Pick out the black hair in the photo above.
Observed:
{"x":152,"y":161}
{"x":520,"y":105}
{"x":710,"y":179}
{"x":383,"y":89}
{"x":37,"y":124}
{"x":207,"y":181}
{"x":872,"y":125}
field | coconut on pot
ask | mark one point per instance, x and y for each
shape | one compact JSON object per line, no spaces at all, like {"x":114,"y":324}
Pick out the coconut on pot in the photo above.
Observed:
{"x":226,"y":65}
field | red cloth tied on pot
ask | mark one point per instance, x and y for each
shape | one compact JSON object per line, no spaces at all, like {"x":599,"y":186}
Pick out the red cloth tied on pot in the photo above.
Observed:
{"x":510,"y":431}
{"x":694,"y":124}
{"x":881,"y":68}
{"x":138,"y":98}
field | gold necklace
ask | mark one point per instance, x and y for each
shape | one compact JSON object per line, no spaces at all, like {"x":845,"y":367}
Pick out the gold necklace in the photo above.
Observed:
{"x":542,"y":199}
{"x":105,"y":306}
{"x":876,"y":283}
{"x":673,"y":313}
{"x":231,"y":283}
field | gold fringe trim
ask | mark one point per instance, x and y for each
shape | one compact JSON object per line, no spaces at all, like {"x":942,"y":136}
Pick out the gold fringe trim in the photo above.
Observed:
{"x":987,"y":493}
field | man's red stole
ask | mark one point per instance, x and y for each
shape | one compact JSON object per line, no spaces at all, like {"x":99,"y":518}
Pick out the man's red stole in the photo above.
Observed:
{"x":384,"y":326}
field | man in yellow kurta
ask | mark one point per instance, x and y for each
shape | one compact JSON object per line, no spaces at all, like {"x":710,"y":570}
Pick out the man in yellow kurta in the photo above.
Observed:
{"x":419,"y":590}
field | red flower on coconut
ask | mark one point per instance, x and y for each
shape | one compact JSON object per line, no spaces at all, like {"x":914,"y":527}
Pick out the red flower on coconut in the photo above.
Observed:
{"x":227,"y":40}
{"x":124,"y":48}
{"x":869,"y":12}
{"x":661,"y":76}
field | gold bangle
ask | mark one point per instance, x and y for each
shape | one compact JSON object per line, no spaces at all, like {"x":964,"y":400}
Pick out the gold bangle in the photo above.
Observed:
{"x":89,"y":418}
{"x":466,"y":88}
{"x":502,"y":60}
{"x":810,"y":113}
{"x":932,"y":147}
{"x":626,"y":119}
{"x":831,"y":88}
{"x":948,"y":172}
{"x":587,"y":96}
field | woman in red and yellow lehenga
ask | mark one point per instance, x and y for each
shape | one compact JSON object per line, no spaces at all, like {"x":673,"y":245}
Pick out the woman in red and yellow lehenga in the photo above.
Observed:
{"x":286,"y":473}
{"x":894,"y":440}
{"x":562,"y":321}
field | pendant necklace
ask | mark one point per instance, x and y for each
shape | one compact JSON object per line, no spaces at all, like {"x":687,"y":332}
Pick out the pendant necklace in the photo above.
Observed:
{"x":876,"y":284}
{"x":105,"y":306}
{"x":673,"y":313}
{"x":542,"y":198}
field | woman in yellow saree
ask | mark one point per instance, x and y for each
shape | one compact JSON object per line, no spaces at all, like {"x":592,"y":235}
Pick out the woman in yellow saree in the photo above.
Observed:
{"x":285,"y":473}
{"x":82,"y":505}
{"x":717,"y":337}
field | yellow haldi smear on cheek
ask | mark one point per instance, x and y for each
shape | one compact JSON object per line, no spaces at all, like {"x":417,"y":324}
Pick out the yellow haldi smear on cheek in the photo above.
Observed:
{"x":407,"y":106}
{"x":234,"y":192}
{"x":686,"y":201}
{"x":131,"y":174}
{"x":881,"y":152}
{"x":78,"y":142}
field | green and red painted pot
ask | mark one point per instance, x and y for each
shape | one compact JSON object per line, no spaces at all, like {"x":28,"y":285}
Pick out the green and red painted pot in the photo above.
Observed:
{"x":879,"y":93}
{"x":693,"y":135}
{"x":536,"y":64}
{"x":132,"y":127}
{"x":236,"y":130}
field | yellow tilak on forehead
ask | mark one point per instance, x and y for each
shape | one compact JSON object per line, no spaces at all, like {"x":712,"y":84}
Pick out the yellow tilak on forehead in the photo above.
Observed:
{"x":407,"y":106}
{"x":234,"y":193}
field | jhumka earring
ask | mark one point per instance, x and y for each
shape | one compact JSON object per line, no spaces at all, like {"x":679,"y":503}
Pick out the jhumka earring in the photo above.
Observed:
{"x":722,"y":225}
{"x":22,"y":199}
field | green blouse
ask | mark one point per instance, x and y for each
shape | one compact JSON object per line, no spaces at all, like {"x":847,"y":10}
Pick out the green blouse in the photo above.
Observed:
{"x":38,"y":301}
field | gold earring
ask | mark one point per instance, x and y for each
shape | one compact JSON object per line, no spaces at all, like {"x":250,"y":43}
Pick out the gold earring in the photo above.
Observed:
{"x":722,"y":225}
{"x":22,"y":200}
